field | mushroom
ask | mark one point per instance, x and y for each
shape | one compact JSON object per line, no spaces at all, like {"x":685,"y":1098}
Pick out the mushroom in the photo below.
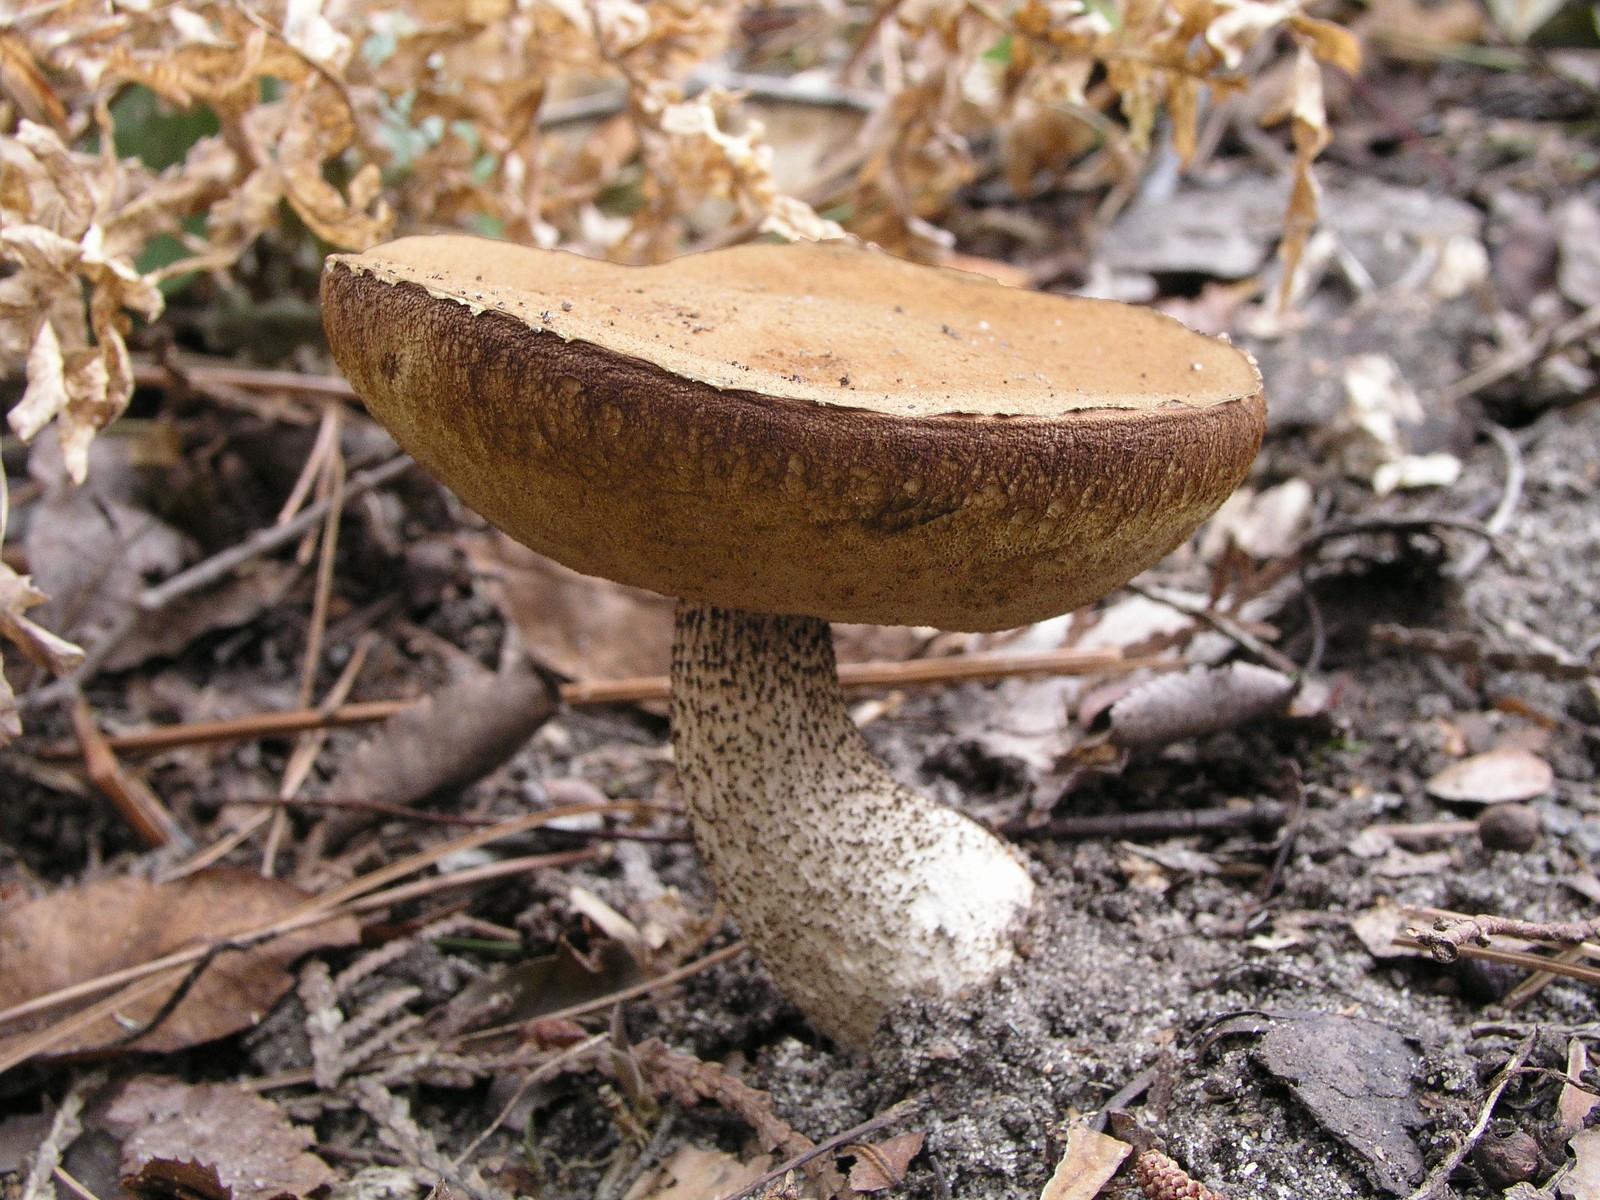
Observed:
{"x":783,"y":435}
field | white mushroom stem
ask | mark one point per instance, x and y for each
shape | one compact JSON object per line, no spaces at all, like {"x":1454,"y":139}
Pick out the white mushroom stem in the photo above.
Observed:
{"x":854,"y":891}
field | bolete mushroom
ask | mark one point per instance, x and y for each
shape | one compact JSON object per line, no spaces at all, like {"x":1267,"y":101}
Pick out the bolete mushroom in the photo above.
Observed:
{"x":786,"y":435}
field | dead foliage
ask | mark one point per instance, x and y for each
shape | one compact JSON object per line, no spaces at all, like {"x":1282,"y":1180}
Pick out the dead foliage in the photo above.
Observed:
{"x":127,"y":922}
{"x":213,"y":1141}
{"x":601,"y":126}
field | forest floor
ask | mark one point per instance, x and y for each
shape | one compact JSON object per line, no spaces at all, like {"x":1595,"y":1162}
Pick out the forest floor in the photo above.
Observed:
{"x":562,"y":1011}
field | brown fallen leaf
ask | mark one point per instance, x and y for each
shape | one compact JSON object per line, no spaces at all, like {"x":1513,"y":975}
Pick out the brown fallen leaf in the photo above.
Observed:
{"x":1494,"y":777}
{"x":1378,"y":927}
{"x":81,"y":933}
{"x":529,"y":990}
{"x":1090,"y":1159}
{"x":1583,"y":1181}
{"x":1576,"y":1102}
{"x":882,"y":1165}
{"x":591,"y":629}
{"x":212,"y":1141}
{"x":448,"y":740}
{"x":1198,"y":701}
{"x":695,"y":1174}
{"x":579,"y":626}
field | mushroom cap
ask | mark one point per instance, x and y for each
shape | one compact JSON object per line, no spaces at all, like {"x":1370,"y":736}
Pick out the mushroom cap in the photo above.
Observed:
{"x":813,"y":429}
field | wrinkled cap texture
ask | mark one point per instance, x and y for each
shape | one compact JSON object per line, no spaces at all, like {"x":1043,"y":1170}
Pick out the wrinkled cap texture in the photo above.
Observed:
{"x":814,"y":429}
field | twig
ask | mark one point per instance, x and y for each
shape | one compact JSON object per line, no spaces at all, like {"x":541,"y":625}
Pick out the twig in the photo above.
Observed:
{"x":1451,"y":935}
{"x":1342,"y":529}
{"x":202,"y":575}
{"x":1223,"y":624}
{"x":73,"y":1185}
{"x":314,"y":911}
{"x":1470,"y":651}
{"x":1514,"y":958}
{"x":923,"y":671}
{"x":1293,"y":821}
{"x":548,"y":1069}
{"x":1440,"y":1175}
{"x":621,"y":996}
{"x":334,"y":477}
{"x":1175,"y":822}
{"x":258,"y":725}
{"x":953,"y":669}
{"x":1522,"y":357}
{"x":1535,"y":983}
{"x":201,"y":373}
{"x":887,"y":1117}
{"x":135,"y":800}
{"x":434,"y":884}
{"x":1125,"y":1095}
{"x":64,"y":1130}
{"x":218,"y":849}
{"x":1510,"y":497}
{"x":304,"y":756}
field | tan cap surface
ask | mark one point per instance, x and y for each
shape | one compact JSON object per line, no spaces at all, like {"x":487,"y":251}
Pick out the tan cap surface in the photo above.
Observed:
{"x":808,"y":429}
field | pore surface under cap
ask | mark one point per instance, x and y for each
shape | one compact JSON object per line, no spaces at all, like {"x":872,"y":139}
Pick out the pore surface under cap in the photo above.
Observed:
{"x":806,"y":429}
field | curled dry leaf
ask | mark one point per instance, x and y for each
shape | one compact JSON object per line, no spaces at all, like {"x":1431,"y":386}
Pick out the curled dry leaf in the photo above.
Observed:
{"x":882,"y":1165}
{"x":694,"y":1174}
{"x":586,"y":628}
{"x":1576,"y":1102}
{"x":1583,"y":1181}
{"x":437,"y":119}
{"x":1198,"y":701}
{"x":212,"y":1141}
{"x":81,"y":933}
{"x":1494,"y":777}
{"x":1090,"y":1159}
{"x":577,"y":625}
{"x":42,"y":648}
{"x":448,"y":740}
{"x":69,"y":228}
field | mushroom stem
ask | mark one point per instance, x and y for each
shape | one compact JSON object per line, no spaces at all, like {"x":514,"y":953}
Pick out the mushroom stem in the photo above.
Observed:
{"x":854,"y":891}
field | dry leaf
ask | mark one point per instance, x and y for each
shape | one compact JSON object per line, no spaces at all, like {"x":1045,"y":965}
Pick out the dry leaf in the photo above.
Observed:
{"x":1378,"y":926}
{"x":1494,"y":777}
{"x":882,"y":1165}
{"x":1583,"y":1181}
{"x":214,"y":1141}
{"x":448,"y":740}
{"x":695,"y":1174}
{"x":1577,"y":227}
{"x":1090,"y":1159}
{"x":580,"y":626}
{"x":1576,"y":1102}
{"x":1198,"y":701}
{"x":80,"y":933}
{"x":529,"y":990}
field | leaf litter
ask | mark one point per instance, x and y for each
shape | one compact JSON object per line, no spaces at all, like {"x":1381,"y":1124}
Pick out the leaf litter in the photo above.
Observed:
{"x":119,"y":923}
{"x":593,"y":127}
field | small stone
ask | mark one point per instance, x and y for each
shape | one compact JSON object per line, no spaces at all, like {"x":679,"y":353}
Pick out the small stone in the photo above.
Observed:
{"x":1507,"y":1155}
{"x":1509,"y":827}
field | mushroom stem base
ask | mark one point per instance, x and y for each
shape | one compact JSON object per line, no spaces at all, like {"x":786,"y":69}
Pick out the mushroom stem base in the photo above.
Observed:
{"x":855,"y":892}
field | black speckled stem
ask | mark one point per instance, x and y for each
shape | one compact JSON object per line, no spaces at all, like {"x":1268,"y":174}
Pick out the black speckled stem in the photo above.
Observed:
{"x":854,"y":891}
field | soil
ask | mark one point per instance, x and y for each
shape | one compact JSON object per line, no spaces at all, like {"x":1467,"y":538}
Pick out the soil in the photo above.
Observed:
{"x":1213,"y":986}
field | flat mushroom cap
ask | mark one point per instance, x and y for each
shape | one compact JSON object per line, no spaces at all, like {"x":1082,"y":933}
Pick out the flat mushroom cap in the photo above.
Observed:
{"x":812,"y":429}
